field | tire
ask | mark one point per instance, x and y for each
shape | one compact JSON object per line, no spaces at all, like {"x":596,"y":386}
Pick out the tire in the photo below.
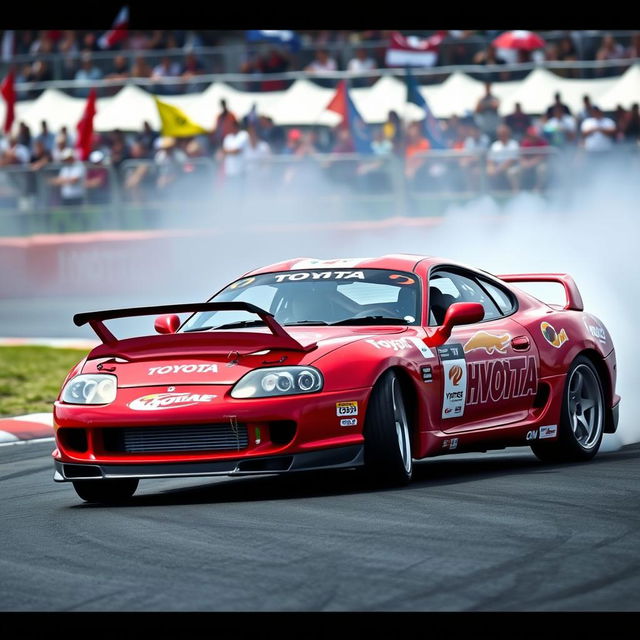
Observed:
{"x":582,"y":417}
{"x":106,"y":491}
{"x":387,"y":434}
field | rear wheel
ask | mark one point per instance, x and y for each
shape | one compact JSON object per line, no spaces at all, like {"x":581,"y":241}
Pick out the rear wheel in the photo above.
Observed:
{"x":387,"y":435}
{"x":582,"y":417}
{"x":106,"y":491}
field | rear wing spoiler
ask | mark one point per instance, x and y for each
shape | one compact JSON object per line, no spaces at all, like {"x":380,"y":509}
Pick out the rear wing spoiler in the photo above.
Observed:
{"x":279,"y":339}
{"x":574,"y":299}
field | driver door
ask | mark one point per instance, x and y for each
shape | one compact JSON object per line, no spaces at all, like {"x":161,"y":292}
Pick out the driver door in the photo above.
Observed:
{"x":488,"y":370}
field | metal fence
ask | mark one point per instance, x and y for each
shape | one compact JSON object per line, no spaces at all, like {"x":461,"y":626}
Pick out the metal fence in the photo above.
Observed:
{"x":143,"y":194}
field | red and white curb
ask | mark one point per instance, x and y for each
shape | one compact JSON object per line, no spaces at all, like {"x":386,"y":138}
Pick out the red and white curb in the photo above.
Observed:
{"x":29,"y":428}
{"x":35,"y":427}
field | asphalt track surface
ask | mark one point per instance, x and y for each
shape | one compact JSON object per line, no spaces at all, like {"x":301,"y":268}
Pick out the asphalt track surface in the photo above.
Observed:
{"x":473,"y":532}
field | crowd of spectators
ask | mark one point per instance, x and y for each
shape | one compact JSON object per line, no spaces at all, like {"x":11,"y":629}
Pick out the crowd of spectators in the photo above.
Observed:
{"x":174,"y":59}
{"x":510,"y":152}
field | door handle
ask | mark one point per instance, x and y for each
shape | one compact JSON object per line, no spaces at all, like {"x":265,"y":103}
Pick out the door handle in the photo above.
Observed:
{"x":520,"y":343}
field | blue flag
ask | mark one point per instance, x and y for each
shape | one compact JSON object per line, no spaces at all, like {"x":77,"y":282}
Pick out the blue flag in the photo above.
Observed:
{"x":430,"y":125}
{"x":342,"y":104}
{"x":282,"y":37}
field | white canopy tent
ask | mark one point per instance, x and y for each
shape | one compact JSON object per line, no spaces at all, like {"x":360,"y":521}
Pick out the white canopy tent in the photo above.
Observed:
{"x":624,"y":90}
{"x":57,"y":109}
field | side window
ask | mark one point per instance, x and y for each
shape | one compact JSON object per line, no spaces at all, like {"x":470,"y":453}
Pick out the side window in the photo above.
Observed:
{"x":446,"y":288}
{"x":499,"y":296}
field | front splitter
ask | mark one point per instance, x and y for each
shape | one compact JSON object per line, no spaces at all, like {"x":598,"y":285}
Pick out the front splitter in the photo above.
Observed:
{"x":343,"y":457}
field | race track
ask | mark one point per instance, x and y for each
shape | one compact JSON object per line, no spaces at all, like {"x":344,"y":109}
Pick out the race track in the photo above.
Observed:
{"x":491,"y":532}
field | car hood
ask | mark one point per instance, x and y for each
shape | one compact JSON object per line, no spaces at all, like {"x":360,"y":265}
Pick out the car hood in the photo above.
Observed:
{"x":188,"y":358}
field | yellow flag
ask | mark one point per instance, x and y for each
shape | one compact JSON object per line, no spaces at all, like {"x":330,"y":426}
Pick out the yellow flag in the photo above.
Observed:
{"x":176,"y":123}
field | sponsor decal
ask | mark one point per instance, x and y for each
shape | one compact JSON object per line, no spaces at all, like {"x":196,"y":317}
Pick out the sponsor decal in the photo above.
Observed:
{"x":346,"y":409}
{"x":450,"y":444}
{"x":532,"y":435}
{"x":183,"y":368}
{"x":501,"y":379}
{"x":319,"y":275}
{"x":427,"y":373}
{"x":401,"y":279}
{"x":396,"y":345}
{"x":554,"y":338}
{"x":455,"y":375}
{"x":595,"y":329}
{"x":402,"y":343}
{"x":455,"y":380}
{"x":490,"y":342}
{"x":549,"y":431}
{"x":348,"y":422}
{"x":338,"y":263}
{"x":159,"y":401}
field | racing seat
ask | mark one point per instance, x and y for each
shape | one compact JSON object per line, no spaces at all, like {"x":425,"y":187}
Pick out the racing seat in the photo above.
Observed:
{"x":439,"y":303}
{"x":406,"y":305}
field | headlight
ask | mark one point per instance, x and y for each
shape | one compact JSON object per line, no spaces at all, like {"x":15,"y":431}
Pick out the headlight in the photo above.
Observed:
{"x":94,"y":388}
{"x":278,"y":381}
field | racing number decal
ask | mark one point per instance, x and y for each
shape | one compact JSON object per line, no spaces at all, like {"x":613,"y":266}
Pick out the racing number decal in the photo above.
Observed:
{"x":454,"y":372}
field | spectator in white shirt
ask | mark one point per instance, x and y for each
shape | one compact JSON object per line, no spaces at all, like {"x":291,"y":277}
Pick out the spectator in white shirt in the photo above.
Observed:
{"x":71,"y":179}
{"x":598,"y":132}
{"x":503,"y":167}
{"x":14,"y":153}
{"x":322,"y":63}
{"x":234,"y":149}
{"x":360,"y":63}
{"x":169,"y":160}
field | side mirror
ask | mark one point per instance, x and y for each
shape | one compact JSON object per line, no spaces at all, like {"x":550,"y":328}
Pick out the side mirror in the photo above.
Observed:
{"x":458,"y":313}
{"x":168,"y":323}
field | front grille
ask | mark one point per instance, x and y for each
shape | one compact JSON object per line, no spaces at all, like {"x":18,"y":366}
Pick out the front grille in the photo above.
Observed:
{"x":186,"y":438}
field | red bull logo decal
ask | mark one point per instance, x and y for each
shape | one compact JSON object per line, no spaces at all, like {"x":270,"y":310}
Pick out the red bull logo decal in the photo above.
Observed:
{"x":501,"y":379}
{"x":490,"y":342}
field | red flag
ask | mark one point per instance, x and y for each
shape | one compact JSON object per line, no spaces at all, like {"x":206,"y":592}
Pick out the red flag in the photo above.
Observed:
{"x":8,"y":91}
{"x":339,"y":102}
{"x":85,"y":128}
{"x":118,"y":30}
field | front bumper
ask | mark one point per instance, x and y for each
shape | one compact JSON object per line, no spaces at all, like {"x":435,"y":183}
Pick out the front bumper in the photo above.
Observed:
{"x":342,"y":457}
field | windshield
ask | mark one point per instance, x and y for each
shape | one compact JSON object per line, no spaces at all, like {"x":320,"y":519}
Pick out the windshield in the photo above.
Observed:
{"x":366,"y":296}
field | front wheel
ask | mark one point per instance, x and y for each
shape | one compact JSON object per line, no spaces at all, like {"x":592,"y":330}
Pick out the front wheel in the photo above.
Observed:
{"x":387,"y":435}
{"x":106,"y":491}
{"x":582,"y":417}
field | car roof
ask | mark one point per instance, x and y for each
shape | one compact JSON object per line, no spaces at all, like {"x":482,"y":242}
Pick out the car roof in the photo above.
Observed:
{"x":396,"y":262}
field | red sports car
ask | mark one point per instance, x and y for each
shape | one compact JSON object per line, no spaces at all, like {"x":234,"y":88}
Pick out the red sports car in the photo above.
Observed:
{"x":319,"y":364}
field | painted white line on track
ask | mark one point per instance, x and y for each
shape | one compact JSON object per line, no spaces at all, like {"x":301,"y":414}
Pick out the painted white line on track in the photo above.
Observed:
{"x":7,"y":444}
